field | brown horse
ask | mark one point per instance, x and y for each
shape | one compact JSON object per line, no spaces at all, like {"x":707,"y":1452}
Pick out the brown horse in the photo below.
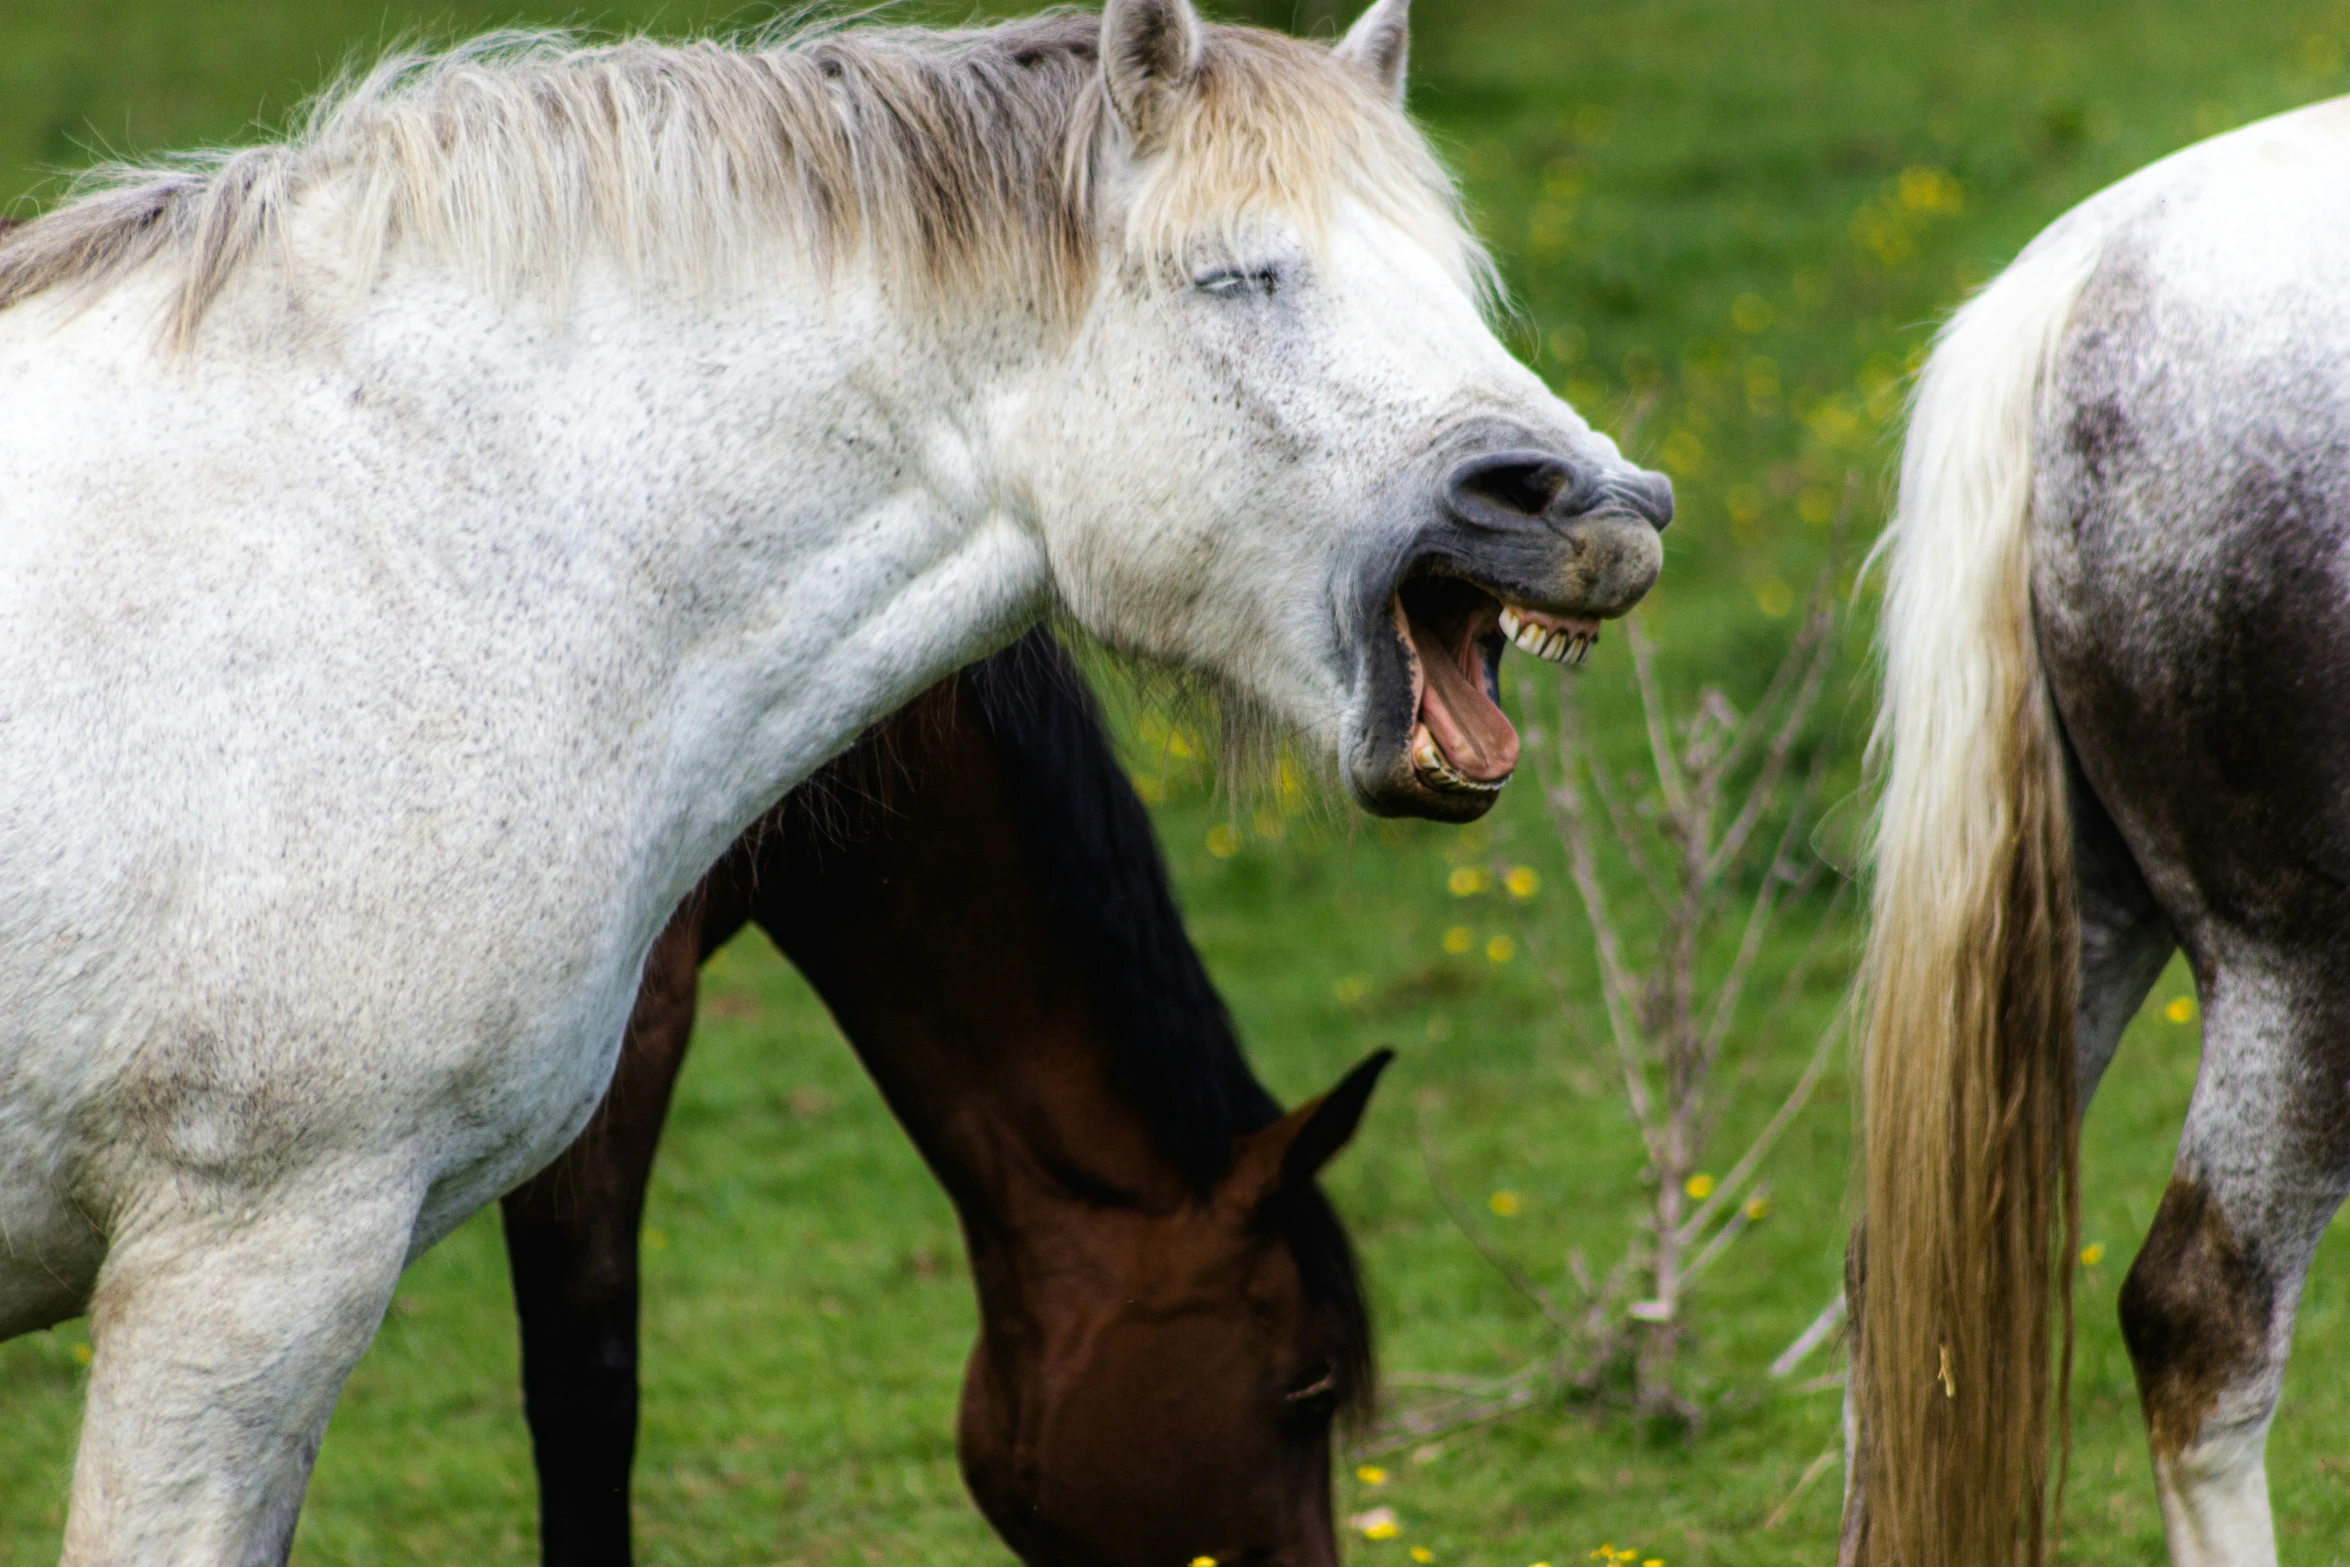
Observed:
{"x":1169,"y":1313}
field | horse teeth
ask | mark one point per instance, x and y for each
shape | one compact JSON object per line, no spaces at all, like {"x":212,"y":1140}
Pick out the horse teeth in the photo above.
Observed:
{"x":1531,"y":638}
{"x":1428,"y":760}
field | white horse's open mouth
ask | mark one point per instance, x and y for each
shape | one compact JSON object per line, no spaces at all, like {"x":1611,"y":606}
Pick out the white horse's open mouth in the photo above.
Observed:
{"x":1453,"y":632}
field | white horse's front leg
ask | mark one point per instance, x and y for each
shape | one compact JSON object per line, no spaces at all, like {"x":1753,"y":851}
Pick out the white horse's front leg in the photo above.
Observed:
{"x":222,"y":1338}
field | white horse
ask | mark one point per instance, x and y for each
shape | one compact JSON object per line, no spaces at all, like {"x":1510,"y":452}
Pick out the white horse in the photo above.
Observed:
{"x":2117,"y":639}
{"x":425,"y":544}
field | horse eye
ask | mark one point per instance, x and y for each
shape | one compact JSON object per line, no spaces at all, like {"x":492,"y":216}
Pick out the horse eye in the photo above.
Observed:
{"x":1237,"y":282}
{"x":1323,"y":1387}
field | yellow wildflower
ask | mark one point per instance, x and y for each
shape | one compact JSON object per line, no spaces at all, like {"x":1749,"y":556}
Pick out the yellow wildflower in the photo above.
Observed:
{"x":1459,"y":939}
{"x":1504,"y":1204}
{"x":1371,"y":1474}
{"x":1501,"y":949}
{"x":2181,"y":1010}
{"x":1699,"y":1186}
{"x":2092,"y":1254}
{"x":1466,"y":881}
{"x":81,"y":1354}
{"x":1203,"y":1561}
{"x":1757,"y":1207}
{"x":1380,"y":1523}
{"x":1522,"y":882}
{"x":1223,"y":842}
{"x":1421,"y":1553}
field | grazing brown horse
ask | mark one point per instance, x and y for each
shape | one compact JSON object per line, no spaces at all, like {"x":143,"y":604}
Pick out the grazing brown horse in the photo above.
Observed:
{"x":1169,"y":1314}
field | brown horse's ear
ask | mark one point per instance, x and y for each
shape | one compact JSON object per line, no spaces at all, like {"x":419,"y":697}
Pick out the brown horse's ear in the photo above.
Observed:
{"x":1293,"y":1150}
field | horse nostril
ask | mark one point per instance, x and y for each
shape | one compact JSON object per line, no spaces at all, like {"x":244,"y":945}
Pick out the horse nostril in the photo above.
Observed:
{"x":1653,"y":499}
{"x":1509,"y":486}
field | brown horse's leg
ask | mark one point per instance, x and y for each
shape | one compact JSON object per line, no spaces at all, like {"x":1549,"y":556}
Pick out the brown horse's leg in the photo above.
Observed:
{"x":571,"y":1242}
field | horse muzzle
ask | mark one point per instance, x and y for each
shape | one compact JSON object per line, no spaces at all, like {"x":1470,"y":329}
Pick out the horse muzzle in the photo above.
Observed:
{"x":1528,"y":547}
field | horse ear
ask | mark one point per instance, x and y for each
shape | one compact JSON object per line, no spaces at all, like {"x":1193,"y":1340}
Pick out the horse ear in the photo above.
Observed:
{"x":1150,"y":53}
{"x":1379,"y":44}
{"x":1293,"y":1150}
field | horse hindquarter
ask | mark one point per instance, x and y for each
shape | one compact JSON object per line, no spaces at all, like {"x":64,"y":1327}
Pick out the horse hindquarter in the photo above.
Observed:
{"x":2192,"y":554}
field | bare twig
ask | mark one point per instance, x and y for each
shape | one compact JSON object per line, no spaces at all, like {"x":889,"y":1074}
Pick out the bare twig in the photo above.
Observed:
{"x":1760,"y":1148}
{"x":1500,"y":1260}
{"x":1819,"y":1467}
{"x":1823,"y":1327}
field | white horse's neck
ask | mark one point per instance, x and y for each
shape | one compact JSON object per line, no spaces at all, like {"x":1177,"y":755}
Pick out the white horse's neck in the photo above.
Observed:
{"x":776,"y":517}
{"x":702,"y":542}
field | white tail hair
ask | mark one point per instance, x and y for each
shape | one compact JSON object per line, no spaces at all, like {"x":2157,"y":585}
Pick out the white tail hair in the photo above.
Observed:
{"x":1970,"y":974}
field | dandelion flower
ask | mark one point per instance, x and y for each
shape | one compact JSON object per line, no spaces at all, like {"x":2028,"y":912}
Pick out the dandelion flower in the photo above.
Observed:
{"x":1223,"y":842}
{"x":1459,"y":939}
{"x":1380,"y":1523}
{"x":1504,"y":1204}
{"x":2181,"y":1010}
{"x":1466,"y":881}
{"x":1501,"y":949}
{"x":1421,"y":1553}
{"x":1654,"y":1561}
{"x":1371,"y":1474}
{"x":1522,"y":882}
{"x":1699,"y":1186}
{"x":1203,"y":1561}
{"x":1757,"y":1207}
{"x":2092,"y":1254}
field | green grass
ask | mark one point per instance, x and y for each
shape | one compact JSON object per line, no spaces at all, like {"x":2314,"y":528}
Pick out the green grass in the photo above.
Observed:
{"x":1739,"y":218}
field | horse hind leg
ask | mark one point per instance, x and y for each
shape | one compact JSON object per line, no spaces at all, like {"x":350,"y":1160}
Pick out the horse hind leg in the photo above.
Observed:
{"x":2125,"y":937}
{"x":2207,"y":1310}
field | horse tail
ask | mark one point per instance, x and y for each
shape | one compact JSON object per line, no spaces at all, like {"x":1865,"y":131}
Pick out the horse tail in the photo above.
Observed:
{"x":1968,"y":1147}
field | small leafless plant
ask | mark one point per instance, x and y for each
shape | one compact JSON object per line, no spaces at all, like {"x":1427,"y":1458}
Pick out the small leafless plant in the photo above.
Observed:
{"x":1684,"y":870}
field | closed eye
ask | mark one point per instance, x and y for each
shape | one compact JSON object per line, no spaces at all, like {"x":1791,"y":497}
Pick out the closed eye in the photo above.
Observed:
{"x":1239,"y":282}
{"x":1326,"y":1386}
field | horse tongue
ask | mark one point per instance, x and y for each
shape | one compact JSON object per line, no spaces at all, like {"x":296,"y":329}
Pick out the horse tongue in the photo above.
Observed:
{"x":1475,"y":736}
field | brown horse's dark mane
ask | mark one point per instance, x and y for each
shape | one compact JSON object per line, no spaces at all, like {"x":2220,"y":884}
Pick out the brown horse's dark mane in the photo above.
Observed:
{"x":1177,"y":1054}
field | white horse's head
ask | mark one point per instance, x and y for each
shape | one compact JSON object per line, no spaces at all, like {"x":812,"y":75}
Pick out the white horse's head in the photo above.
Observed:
{"x":1286,"y":449}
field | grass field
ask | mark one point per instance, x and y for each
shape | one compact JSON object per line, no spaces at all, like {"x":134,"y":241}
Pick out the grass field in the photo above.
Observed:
{"x":1740,"y":218}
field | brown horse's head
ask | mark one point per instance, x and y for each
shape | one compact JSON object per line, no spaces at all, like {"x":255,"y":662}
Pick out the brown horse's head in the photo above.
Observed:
{"x":1157,"y":1381}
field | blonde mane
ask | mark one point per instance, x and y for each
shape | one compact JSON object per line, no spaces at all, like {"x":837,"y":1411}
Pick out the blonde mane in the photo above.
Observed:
{"x":955,"y":163}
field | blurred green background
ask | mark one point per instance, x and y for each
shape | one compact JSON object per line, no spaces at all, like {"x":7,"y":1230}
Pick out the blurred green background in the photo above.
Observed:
{"x":1729,"y":227}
